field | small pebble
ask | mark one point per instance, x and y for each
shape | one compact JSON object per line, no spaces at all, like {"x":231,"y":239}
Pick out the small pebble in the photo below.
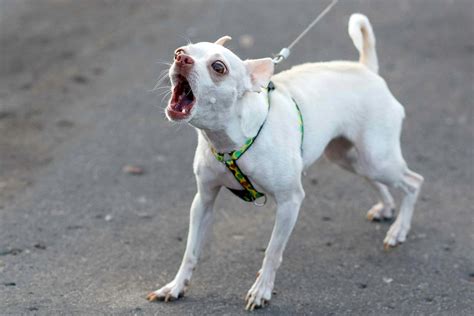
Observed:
{"x":65,"y":123}
{"x":471,"y":277}
{"x":108,"y":218}
{"x":6,"y":114}
{"x":40,"y":246}
{"x":80,"y":79}
{"x":134,"y":170}
{"x":14,"y":252}
{"x":387,"y":280}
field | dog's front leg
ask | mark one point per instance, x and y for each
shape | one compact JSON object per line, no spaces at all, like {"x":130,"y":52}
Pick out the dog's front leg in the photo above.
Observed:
{"x":287,"y":213}
{"x":201,"y":215}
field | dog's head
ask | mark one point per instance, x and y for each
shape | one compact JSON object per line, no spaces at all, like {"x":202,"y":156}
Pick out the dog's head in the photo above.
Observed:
{"x":207,"y":81}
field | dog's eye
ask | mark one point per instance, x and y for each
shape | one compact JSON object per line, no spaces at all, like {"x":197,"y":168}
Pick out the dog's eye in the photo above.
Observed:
{"x":219,"y":67}
{"x":178,"y":52}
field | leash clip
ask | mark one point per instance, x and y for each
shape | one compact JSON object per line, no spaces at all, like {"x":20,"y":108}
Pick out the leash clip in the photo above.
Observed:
{"x":282,"y":55}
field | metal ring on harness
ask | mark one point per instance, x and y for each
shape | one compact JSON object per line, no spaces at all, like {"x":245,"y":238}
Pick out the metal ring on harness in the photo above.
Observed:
{"x":261,"y":204}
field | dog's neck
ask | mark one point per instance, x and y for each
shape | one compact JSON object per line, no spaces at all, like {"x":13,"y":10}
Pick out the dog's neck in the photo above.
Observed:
{"x":241,"y":121}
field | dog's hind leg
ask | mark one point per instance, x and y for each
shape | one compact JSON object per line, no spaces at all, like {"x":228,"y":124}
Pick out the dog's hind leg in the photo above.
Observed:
{"x":382,"y":161}
{"x":385,"y":208}
{"x":342,"y":152}
{"x":410,"y":183}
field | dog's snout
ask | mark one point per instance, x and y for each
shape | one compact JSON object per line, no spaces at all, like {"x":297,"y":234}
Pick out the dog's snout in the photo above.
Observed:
{"x":184,"y":59}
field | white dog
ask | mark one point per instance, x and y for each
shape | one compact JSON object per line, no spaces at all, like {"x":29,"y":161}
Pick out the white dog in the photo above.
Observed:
{"x":346,"y":110}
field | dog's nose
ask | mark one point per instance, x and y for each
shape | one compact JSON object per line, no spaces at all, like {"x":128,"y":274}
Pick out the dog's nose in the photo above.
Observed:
{"x":184,"y":59}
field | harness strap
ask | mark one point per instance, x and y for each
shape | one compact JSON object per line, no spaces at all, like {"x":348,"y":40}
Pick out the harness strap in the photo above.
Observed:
{"x":249,"y":193}
{"x":301,"y":122}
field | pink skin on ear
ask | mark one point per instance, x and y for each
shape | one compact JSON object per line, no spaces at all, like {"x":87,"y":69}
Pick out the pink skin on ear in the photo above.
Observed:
{"x":260,"y":71}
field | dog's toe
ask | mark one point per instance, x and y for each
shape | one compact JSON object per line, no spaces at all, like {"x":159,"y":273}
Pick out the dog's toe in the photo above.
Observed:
{"x":151,"y":297}
{"x":396,"y":235}
{"x":260,"y":294}
{"x":379,"y":213}
{"x":168,"y":293}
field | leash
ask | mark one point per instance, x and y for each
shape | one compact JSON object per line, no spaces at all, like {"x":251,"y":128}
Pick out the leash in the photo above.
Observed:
{"x":285,"y":52}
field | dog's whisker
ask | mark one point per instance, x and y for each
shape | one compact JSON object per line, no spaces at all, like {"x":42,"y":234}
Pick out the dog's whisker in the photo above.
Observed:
{"x":161,"y":79}
{"x":163,"y":63}
{"x":164,"y":92}
{"x":164,"y":97}
{"x":186,"y":39}
{"x":163,"y":87}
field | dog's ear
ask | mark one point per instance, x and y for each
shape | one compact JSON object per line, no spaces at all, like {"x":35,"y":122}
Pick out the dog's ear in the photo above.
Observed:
{"x":221,"y":41}
{"x":260,"y":72}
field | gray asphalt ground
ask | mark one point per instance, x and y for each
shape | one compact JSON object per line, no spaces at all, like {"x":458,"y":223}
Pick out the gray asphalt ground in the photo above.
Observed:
{"x":78,"y":236}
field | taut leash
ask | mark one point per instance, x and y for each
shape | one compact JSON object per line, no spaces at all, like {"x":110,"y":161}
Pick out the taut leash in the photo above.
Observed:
{"x":285,"y":52}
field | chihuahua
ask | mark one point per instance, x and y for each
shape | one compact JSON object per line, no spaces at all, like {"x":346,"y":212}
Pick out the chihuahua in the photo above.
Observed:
{"x":348,"y":114}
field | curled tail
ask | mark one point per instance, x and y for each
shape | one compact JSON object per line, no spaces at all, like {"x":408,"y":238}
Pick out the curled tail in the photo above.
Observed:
{"x":363,"y":37}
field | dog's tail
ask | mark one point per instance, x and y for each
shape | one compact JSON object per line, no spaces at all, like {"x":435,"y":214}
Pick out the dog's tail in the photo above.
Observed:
{"x":363,"y":37}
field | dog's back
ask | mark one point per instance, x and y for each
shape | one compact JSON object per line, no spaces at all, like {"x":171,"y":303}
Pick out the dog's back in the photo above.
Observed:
{"x":343,"y":98}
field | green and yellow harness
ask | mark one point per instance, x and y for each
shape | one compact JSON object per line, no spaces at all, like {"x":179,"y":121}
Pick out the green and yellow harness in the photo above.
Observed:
{"x":249,"y":193}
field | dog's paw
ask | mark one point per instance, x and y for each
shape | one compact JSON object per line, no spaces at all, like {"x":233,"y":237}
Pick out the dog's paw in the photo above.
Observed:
{"x":169,"y":292}
{"x":396,"y":235}
{"x":379,"y":212}
{"x":260,"y":293}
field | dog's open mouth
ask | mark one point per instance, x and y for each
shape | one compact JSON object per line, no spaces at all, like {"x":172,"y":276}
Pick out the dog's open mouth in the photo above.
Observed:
{"x":182,"y":99}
